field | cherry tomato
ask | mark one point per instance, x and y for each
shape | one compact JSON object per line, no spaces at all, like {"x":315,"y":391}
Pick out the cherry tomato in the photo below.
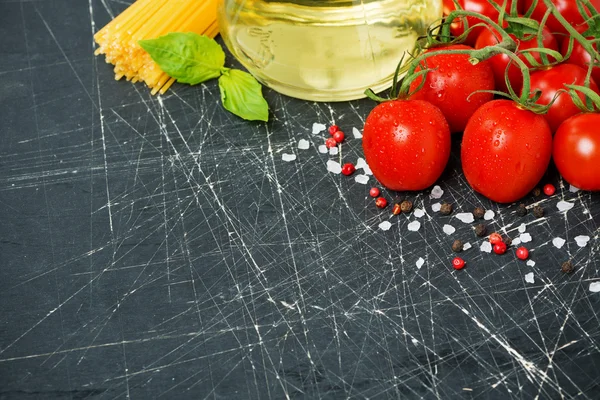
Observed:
{"x":483,"y":7}
{"x":505,"y":150}
{"x":580,"y":56}
{"x":499,"y":63}
{"x":406,"y":144}
{"x":567,"y":8}
{"x":550,"y":81}
{"x":450,"y":81}
{"x":576,"y":151}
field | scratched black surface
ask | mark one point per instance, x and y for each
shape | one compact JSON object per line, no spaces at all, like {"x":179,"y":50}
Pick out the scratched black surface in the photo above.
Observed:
{"x":162,"y":248}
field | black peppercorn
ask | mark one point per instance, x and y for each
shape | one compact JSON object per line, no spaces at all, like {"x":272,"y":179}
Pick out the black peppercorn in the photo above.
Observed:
{"x":567,"y":267}
{"x":480,"y":230}
{"x":457,"y":246}
{"x":478,"y":212}
{"x":538,"y":212}
{"x":536,"y":192}
{"x":446,"y":209}
{"x":507,"y":241}
{"x":522,"y":210}
{"x":406,"y":206}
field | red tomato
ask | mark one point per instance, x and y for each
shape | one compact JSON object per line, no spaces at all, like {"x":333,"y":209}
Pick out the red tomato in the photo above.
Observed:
{"x":406,"y":144}
{"x":479,"y":6}
{"x":505,"y":150}
{"x":550,"y":81}
{"x":450,"y":81}
{"x":567,"y":8}
{"x":580,"y":56}
{"x":576,"y":151}
{"x":500,"y":62}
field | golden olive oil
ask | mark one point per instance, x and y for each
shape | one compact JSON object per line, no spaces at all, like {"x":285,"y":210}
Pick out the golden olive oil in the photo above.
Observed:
{"x":324,"y":50}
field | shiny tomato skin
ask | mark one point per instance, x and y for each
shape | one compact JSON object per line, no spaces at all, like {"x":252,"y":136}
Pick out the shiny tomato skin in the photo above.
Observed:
{"x":406,"y":144}
{"x":500,"y":62}
{"x":576,"y":151}
{"x":550,"y":81}
{"x":580,"y":56}
{"x":451,"y":80}
{"x":483,"y":7}
{"x":505,"y":150}
{"x":567,"y":8}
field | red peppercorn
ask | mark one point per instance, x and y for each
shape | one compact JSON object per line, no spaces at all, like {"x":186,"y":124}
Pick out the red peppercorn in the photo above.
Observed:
{"x":330,"y":142}
{"x":549,"y":189}
{"x":495,"y":238}
{"x":458,"y":263}
{"x":381,"y":202}
{"x":348,"y":169}
{"x":397,"y":209}
{"x":333,"y":129}
{"x":522,"y":253}
{"x":374,"y":192}
{"x":500,"y":248}
{"x":339,"y":136}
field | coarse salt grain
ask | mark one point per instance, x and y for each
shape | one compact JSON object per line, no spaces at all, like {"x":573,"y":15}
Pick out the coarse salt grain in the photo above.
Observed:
{"x":448,"y":229}
{"x":467,"y":246}
{"x":489,"y":215}
{"x":525,"y":237}
{"x":435,"y":207}
{"x":467,"y":218}
{"x":385,"y":225}
{"x":334,"y":166}
{"x":420,"y":262}
{"x":486,"y":246}
{"x":595,"y":287}
{"x":356,"y":133}
{"x":529,"y":278}
{"x":323,"y":149}
{"x":516,"y":241}
{"x":414,"y":226}
{"x":522,"y":228}
{"x":367,"y":170}
{"x":362,"y":179}
{"x":303,"y":144}
{"x":288,"y":157}
{"x":419,"y":212}
{"x":582,"y":240}
{"x":333,"y":151}
{"x":318,"y":128}
{"x":558,"y":242}
{"x":436,"y":192}
{"x":573,"y":189}
{"x":360,"y":163}
{"x":531,"y":263}
{"x":564,"y":205}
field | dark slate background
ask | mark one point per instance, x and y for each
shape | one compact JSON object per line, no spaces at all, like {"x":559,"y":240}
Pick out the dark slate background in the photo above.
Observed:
{"x":161,"y":248}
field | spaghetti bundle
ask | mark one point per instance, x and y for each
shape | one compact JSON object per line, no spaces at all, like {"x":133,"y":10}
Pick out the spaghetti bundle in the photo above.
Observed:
{"x":149,"y":19}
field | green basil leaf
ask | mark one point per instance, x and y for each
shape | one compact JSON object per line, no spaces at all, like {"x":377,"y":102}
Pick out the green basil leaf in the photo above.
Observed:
{"x":242,"y":95}
{"x":186,"y":56}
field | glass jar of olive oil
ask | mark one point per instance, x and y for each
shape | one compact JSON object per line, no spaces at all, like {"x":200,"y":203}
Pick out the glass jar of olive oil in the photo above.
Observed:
{"x":330,"y":50}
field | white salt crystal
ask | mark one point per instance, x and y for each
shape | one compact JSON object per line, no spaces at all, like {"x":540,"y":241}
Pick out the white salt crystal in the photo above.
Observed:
{"x":564,"y":205}
{"x":385,"y":225}
{"x":333,"y":151}
{"x":288,"y":157}
{"x":582,"y":240}
{"x":595,"y":287}
{"x":486,"y":246}
{"x":436,"y":192}
{"x":573,"y":189}
{"x":489,"y":215}
{"x":516,"y":241}
{"x":558,"y":242}
{"x":360,"y":163}
{"x":303,"y":144}
{"x":367,"y":170}
{"x":436,"y":207}
{"x":525,"y":237}
{"x":362,"y":179}
{"x":334,"y":166}
{"x":323,"y":149}
{"x":414,"y":226}
{"x":448,"y":229}
{"x":522,"y":228}
{"x":356,"y":133}
{"x":317,"y":128}
{"x":420,"y":262}
{"x":467,"y":246}
{"x":531,"y":263}
{"x":419,"y":212}
{"x":467,"y":218}
{"x":529,"y":278}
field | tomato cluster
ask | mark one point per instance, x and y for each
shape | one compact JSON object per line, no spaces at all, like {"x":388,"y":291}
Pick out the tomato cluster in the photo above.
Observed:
{"x":507,"y":144}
